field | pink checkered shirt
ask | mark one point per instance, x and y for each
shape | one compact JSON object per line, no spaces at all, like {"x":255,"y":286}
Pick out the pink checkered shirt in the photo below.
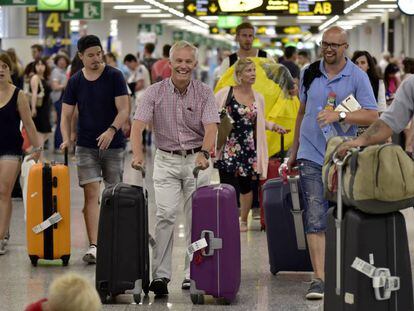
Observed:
{"x":178,"y":119}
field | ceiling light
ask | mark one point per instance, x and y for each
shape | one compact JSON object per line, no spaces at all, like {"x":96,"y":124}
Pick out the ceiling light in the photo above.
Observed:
{"x":388,"y":1}
{"x":311,"y":21}
{"x":382,"y":6}
{"x":265,"y":23}
{"x":197,"y":22}
{"x":373,"y":10}
{"x":162,"y":15}
{"x":262,"y":18}
{"x":143,"y":11}
{"x":354,"y":6}
{"x":328,"y":22}
{"x":173,"y":1}
{"x":132,"y":7}
{"x":311,"y":17}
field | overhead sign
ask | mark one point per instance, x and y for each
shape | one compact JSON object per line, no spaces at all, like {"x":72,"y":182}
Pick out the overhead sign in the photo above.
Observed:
{"x":229,"y":21}
{"x":54,"y":5}
{"x":32,"y":22}
{"x":85,"y":10}
{"x":19,"y":2}
{"x":262,"y":30}
{"x":260,"y":7}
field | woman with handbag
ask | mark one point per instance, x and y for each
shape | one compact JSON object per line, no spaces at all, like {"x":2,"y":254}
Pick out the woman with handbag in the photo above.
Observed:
{"x":242,"y":146}
{"x":39,"y":93}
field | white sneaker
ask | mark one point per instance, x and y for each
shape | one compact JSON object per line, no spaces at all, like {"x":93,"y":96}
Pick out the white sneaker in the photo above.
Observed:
{"x":3,"y":248}
{"x":256,"y":213}
{"x":90,"y":256}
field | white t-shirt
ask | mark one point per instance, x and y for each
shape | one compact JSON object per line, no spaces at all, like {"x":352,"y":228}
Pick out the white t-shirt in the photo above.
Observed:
{"x":141,"y":73}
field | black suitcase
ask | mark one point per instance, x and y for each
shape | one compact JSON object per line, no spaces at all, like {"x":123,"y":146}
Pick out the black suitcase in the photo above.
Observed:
{"x":122,"y":263}
{"x":286,"y":240}
{"x":374,"y":267}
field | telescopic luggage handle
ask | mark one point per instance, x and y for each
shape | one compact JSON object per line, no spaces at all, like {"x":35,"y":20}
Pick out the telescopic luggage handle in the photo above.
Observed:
{"x":66,"y":156}
{"x":139,"y":168}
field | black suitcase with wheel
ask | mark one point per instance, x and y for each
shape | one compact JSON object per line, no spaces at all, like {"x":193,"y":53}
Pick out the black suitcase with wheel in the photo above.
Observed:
{"x":122,"y":263}
{"x":367,"y":261}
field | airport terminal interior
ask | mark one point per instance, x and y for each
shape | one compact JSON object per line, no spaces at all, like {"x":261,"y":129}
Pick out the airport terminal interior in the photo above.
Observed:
{"x":136,"y":37}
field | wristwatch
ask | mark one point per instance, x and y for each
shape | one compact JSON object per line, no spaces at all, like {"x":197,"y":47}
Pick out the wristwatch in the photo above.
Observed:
{"x":205,"y":153}
{"x":342,"y":116}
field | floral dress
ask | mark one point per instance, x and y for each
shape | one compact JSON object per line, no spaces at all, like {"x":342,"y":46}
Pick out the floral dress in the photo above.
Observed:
{"x":239,"y":153}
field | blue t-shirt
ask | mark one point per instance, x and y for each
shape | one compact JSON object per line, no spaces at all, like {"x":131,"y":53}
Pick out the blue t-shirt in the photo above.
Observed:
{"x":96,"y":104}
{"x":351,"y":80}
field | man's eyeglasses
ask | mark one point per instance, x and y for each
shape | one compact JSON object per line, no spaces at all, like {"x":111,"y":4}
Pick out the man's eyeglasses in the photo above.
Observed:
{"x":334,"y":46}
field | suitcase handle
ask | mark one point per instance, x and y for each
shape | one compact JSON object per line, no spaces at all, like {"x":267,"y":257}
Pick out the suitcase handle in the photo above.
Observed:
{"x":66,"y":156}
{"x":212,"y":242}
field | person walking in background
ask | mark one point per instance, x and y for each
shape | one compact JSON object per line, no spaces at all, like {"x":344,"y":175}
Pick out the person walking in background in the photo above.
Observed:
{"x":303,"y":59}
{"x":100,"y":93}
{"x":244,"y":155}
{"x":59,"y":79}
{"x":291,"y":56}
{"x":39,"y":92}
{"x":391,"y":81}
{"x":13,"y":109}
{"x":161,"y":68}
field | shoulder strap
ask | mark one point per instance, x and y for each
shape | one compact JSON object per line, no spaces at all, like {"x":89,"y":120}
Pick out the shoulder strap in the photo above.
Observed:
{"x":233,"y":59}
{"x":262,"y":54}
{"x":229,"y":96}
{"x":310,"y":74}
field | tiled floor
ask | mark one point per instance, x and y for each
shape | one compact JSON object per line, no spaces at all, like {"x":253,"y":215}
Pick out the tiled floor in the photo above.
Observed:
{"x":20,"y":283}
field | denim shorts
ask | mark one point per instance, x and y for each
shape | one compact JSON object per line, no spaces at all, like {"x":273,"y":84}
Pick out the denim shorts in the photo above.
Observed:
{"x":316,"y":207}
{"x":97,"y":165}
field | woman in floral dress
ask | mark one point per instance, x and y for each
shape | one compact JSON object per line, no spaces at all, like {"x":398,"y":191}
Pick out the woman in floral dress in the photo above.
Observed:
{"x":245,"y":154}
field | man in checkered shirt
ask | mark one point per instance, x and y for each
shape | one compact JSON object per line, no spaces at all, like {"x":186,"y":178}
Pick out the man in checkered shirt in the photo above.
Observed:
{"x":185,"y":117}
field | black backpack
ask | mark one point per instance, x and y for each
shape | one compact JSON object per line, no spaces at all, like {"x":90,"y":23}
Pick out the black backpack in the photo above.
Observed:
{"x":310,"y":74}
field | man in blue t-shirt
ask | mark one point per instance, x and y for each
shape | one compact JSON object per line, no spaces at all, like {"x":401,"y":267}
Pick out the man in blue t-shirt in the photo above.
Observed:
{"x":100,"y":92}
{"x":335,"y":74}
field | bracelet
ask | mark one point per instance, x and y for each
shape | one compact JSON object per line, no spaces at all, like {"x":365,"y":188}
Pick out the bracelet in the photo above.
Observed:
{"x":113,"y":128}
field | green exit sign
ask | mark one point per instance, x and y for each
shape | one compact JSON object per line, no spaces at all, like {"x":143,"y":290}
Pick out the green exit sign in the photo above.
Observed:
{"x":229,"y":21}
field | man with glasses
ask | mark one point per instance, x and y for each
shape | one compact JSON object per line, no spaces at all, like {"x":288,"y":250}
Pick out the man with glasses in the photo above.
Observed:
{"x":335,"y":73}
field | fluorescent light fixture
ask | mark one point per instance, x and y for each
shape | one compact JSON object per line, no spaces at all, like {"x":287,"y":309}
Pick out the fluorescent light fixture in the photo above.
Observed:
{"x":132,"y":7}
{"x":373,"y":10}
{"x":209,"y":18}
{"x":382,"y":6}
{"x":365,"y":16}
{"x":347,"y":27}
{"x":197,"y":22}
{"x":265,"y":23}
{"x":143,"y":11}
{"x":350,"y":22}
{"x":162,"y":15}
{"x":307,"y":37}
{"x":328,"y":22}
{"x":388,"y":1}
{"x":311,"y":21}
{"x":173,"y":1}
{"x":262,"y":18}
{"x":311,"y":17}
{"x":354,"y":6}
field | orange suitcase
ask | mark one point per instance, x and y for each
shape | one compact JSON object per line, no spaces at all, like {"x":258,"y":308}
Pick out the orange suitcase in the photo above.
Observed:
{"x":48,"y":212}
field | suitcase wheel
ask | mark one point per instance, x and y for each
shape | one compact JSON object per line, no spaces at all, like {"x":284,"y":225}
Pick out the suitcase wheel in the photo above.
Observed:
{"x":273,"y":270}
{"x":103,"y":297}
{"x":137,"y":298}
{"x":263,"y":228}
{"x":197,"y":299}
{"x":65,"y":260}
{"x":225,"y":301}
{"x":34,"y":260}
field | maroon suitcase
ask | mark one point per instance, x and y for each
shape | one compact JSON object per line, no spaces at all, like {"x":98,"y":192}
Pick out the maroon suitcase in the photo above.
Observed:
{"x":216,"y":269}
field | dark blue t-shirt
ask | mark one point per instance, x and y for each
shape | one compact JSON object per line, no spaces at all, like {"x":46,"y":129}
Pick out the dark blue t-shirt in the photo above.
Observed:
{"x":96,"y":104}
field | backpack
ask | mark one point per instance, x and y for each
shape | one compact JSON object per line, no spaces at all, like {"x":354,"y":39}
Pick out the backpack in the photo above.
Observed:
{"x":233,"y":57}
{"x":310,"y":74}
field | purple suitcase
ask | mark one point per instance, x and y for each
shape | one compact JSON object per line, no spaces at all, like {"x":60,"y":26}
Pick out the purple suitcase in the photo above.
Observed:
{"x":216,"y":269}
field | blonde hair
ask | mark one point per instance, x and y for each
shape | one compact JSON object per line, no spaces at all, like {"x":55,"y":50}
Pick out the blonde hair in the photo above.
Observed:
{"x":239,"y":66}
{"x":73,"y":292}
{"x":182,"y":45}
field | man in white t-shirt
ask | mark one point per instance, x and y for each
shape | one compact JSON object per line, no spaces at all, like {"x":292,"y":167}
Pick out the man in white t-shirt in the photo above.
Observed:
{"x":138,"y":79}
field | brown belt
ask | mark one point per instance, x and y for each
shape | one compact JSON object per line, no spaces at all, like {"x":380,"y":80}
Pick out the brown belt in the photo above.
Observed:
{"x":182,"y":152}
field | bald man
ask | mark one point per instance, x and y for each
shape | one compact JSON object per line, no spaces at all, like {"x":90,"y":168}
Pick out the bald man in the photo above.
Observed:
{"x":334,"y":73}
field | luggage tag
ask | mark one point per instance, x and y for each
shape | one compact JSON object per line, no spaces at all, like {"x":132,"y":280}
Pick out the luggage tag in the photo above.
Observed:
{"x":54,"y":219}
{"x":196,"y":246}
{"x":363,"y":267}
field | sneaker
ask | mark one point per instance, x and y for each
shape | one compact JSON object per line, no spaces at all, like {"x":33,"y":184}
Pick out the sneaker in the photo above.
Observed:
{"x":186,"y":284}
{"x":3,"y":247}
{"x":159,"y":286}
{"x":7,"y":238}
{"x":316,"y":290}
{"x":90,"y":256}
